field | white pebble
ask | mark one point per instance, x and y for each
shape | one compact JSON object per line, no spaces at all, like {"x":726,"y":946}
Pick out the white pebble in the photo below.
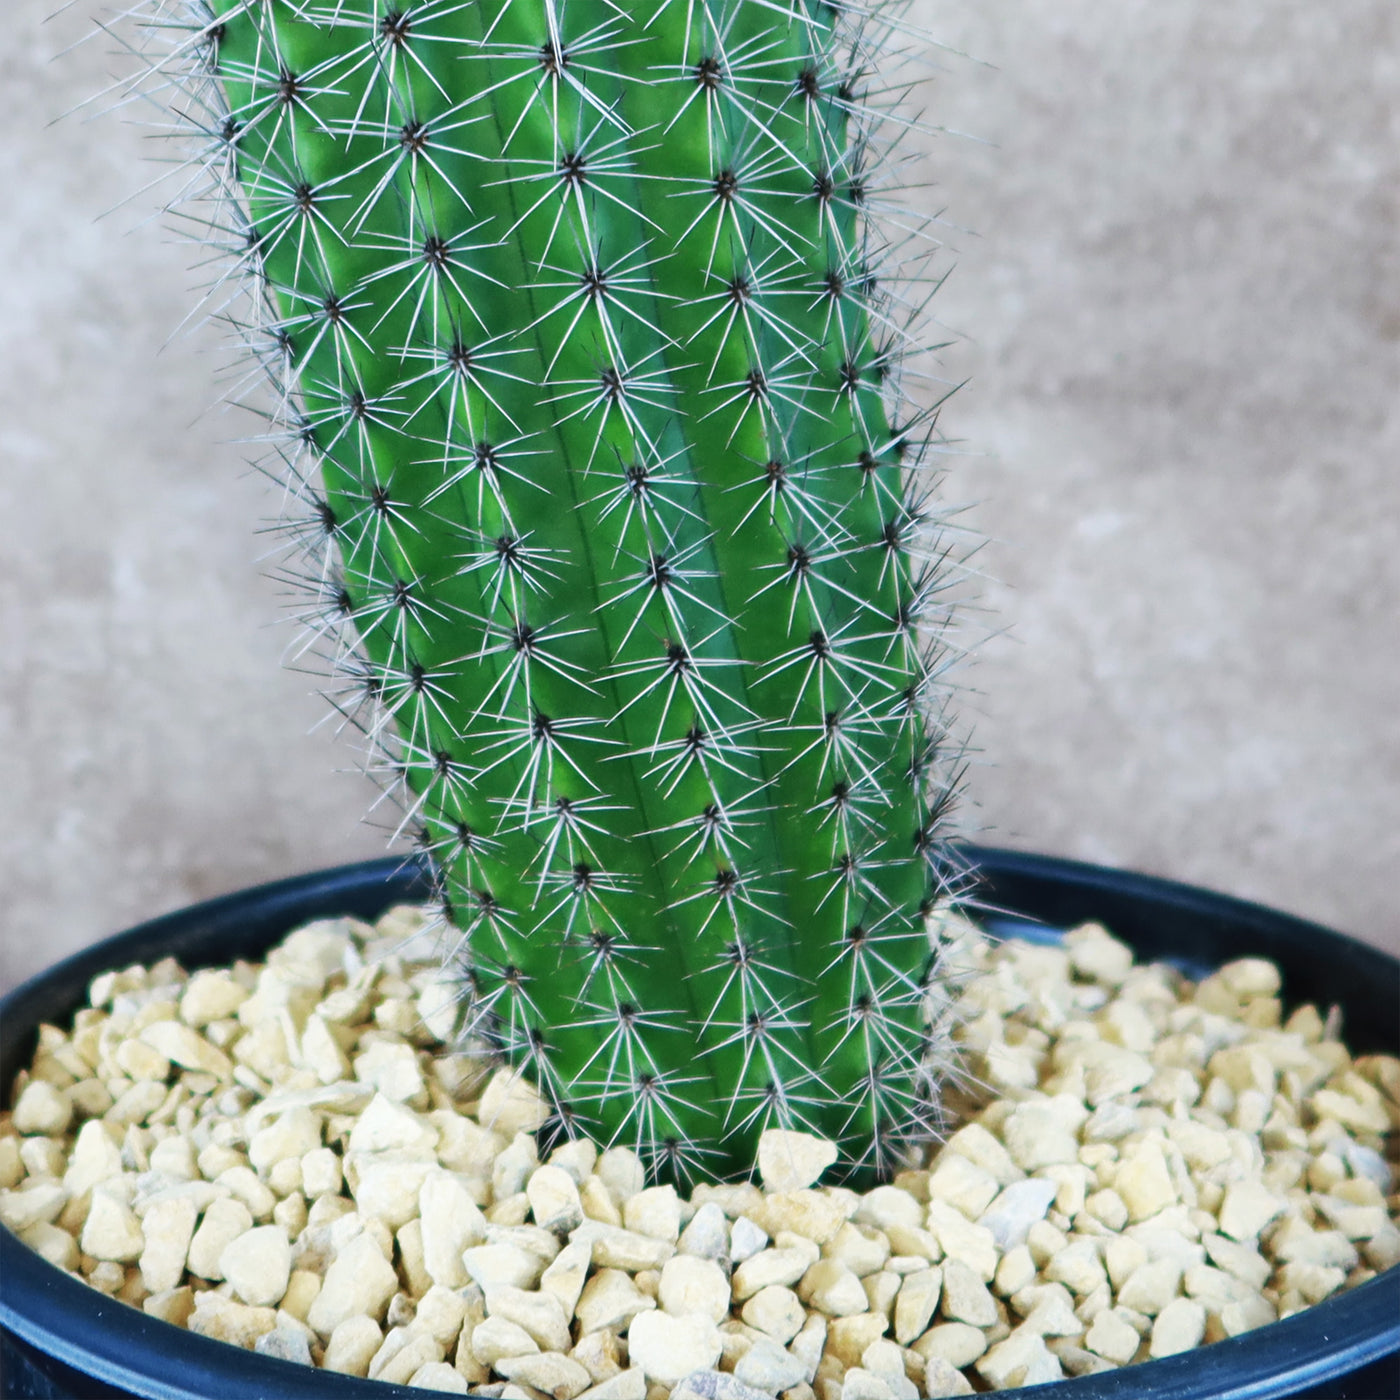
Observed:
{"x":111,"y":1230}
{"x":694,"y":1285}
{"x":788,"y":1161}
{"x":42,"y":1108}
{"x":1021,"y":1360}
{"x":360,"y":1280}
{"x":707,"y":1235}
{"x":1179,"y":1327}
{"x":745,"y":1240}
{"x":670,"y":1348}
{"x":258,"y":1264}
{"x":554,"y":1201}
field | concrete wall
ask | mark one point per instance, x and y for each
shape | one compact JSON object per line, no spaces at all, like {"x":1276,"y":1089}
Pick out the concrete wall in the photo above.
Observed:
{"x":1176,"y":275}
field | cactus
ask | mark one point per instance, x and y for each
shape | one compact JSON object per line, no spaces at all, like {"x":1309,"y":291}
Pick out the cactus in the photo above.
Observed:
{"x":616,"y":525}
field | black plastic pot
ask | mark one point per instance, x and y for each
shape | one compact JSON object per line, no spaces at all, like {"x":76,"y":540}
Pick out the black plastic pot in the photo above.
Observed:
{"x":59,"y":1338}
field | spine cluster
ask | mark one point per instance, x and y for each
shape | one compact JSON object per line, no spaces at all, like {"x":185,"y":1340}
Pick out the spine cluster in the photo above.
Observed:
{"x":586,"y":321}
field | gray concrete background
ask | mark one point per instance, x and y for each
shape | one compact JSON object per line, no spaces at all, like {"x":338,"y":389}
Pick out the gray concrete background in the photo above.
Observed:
{"x":1177,"y":278}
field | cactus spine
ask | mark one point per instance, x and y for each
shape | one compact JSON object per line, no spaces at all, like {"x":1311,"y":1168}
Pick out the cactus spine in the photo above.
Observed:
{"x":574,"y":305}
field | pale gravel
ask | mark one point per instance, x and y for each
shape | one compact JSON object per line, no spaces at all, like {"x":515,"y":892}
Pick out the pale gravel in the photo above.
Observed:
{"x":284,"y":1156}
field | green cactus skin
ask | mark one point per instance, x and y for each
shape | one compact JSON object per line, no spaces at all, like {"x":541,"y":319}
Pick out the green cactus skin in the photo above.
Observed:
{"x":573,"y":304}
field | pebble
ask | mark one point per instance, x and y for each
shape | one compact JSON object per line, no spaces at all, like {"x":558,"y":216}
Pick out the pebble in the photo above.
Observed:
{"x":554,"y":1200}
{"x":226,"y":1320}
{"x":615,"y":1248}
{"x":1112,"y":1072}
{"x":1043,"y":1132}
{"x":566,"y":1274}
{"x":957,"y":1343}
{"x":861,"y":1248}
{"x":769,"y":1367}
{"x":809,"y":1344}
{"x":388,"y":1185}
{"x":257,"y":1265}
{"x":292,"y":1134}
{"x":452,"y":1224}
{"x":745,"y":1240}
{"x":881,"y":1290}
{"x":767,"y":1268}
{"x":502,"y":1266}
{"x":359,"y":1280}
{"x":167,"y":1229}
{"x":441,"y":1311}
{"x":542,"y":1315}
{"x":965,"y":1297}
{"x":1053,"y":1316}
{"x":848,"y":1337}
{"x":669,"y":1348}
{"x":1247,"y":1208}
{"x":42,"y":1108}
{"x":55,"y":1244}
{"x":439,"y":1376}
{"x":886,"y":1360}
{"x":510,"y":1104}
{"x":495,"y":1338}
{"x":1151,"y":1287}
{"x":549,"y":1371}
{"x":111,"y":1230}
{"x":403,"y":1351}
{"x":1022,"y":1359}
{"x":815,"y":1215}
{"x":187,"y":1048}
{"x":978,"y":1145}
{"x":1097,"y":956}
{"x":961,"y":1239}
{"x":1178,"y":1327}
{"x":12,"y":1166}
{"x":694,"y":1285}
{"x":600,"y":1353}
{"x":286,"y":1344}
{"x":352,"y":1345}
{"x":789,"y":1161}
{"x":1015,"y":1209}
{"x":1143,"y":1181}
{"x":392,"y":1069}
{"x":916,"y":1303}
{"x":1113,"y":1337}
{"x":630,"y":1384}
{"x":610,"y":1299}
{"x":962,"y":1184}
{"x":655,"y":1213}
{"x":887,"y":1206}
{"x":860,"y":1384}
{"x":709,"y":1384}
{"x":832,"y":1288}
{"x":388,"y":1126}
{"x":210,"y":995}
{"x":1079,"y":1266}
{"x":223,"y":1222}
{"x":775,"y":1311}
{"x":942,"y":1378}
{"x":707,"y":1235}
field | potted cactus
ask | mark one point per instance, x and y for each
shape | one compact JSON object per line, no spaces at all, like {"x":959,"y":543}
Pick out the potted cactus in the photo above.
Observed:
{"x":586,"y":341}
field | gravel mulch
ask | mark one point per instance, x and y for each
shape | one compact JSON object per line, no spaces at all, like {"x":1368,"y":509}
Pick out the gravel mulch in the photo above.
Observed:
{"x":286,"y":1157}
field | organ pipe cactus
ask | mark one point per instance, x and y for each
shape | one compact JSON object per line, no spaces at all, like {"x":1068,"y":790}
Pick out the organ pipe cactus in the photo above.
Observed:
{"x":587,"y":354}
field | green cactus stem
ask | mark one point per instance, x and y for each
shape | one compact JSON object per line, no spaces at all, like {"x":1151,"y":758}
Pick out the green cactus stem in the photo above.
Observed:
{"x":622,"y":536}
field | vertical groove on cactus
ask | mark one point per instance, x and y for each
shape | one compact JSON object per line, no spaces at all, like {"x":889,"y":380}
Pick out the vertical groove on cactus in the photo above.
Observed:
{"x":587,"y":335}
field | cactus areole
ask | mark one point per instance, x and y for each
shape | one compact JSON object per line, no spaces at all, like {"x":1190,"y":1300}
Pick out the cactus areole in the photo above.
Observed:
{"x":617,"y":534}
